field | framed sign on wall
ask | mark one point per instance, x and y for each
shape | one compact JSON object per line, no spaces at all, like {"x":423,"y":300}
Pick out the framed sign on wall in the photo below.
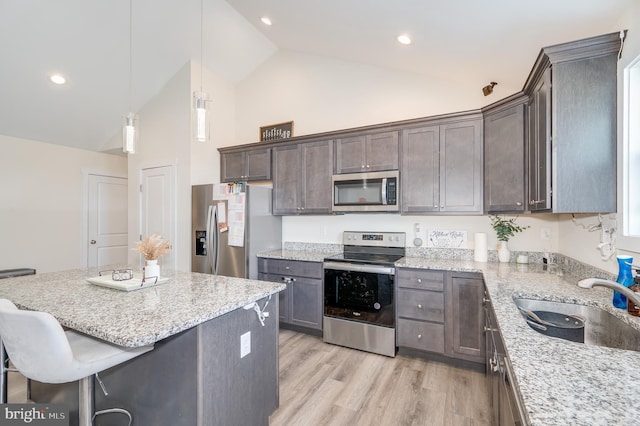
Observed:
{"x":276,"y":131}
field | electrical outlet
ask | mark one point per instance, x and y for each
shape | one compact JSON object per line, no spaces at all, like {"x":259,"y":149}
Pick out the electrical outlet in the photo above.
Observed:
{"x":245,"y":344}
{"x":545,"y":234}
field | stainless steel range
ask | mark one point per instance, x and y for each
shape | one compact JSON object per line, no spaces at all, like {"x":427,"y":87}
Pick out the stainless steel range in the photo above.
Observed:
{"x":359,"y":306}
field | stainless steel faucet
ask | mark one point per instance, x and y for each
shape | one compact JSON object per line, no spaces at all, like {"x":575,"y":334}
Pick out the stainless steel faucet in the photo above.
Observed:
{"x":592,"y":282}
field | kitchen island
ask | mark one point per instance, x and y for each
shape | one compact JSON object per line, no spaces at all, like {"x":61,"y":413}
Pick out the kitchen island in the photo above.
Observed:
{"x":195,"y":374}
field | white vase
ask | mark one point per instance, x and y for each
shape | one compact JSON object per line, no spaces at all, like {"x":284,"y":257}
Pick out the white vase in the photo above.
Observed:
{"x":504,"y":255}
{"x":151,"y":269}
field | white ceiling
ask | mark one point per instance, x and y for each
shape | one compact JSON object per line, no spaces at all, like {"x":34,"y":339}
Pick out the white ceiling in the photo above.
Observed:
{"x":88,"y":41}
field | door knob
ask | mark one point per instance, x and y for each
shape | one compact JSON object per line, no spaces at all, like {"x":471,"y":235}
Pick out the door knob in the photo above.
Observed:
{"x":93,"y":241}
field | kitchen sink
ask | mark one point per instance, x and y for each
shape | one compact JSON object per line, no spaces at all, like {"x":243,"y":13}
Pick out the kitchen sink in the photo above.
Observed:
{"x":600,"y":327}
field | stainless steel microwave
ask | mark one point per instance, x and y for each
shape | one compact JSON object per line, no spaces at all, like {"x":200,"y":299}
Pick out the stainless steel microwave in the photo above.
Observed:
{"x":366,"y":192}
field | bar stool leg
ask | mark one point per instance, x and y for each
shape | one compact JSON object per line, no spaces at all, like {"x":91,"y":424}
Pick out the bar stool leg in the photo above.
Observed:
{"x":4,"y":361}
{"x":86,"y":405}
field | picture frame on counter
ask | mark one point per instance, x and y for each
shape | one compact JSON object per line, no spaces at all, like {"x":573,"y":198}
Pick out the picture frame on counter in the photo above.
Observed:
{"x":278,"y":131}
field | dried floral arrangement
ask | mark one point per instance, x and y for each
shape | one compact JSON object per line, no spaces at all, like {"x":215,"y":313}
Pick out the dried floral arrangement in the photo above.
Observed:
{"x":151,"y":248}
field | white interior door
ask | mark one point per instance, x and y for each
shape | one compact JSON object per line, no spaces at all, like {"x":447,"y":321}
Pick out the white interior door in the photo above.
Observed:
{"x":107,"y":221}
{"x":157,"y":206}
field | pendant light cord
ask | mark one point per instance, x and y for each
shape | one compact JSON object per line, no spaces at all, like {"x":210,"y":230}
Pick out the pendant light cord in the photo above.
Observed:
{"x":130,"y":50}
{"x":201,"y":43}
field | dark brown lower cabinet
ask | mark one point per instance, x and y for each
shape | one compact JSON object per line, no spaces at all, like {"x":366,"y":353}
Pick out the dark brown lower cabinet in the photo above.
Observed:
{"x":465,"y":319}
{"x":506,"y":406}
{"x":441,"y":312}
{"x":301,"y":303}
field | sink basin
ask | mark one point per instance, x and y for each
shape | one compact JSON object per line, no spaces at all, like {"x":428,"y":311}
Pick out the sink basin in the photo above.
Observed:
{"x":600,"y":328}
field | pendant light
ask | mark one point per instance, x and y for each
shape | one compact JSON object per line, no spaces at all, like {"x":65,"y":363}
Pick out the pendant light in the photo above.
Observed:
{"x":130,"y":129}
{"x":200,"y":98}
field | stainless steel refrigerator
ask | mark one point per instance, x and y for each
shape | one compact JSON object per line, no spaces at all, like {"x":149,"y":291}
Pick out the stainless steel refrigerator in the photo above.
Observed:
{"x":230,"y":225}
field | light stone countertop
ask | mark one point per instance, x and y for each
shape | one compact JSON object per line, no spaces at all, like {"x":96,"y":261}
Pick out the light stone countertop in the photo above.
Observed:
{"x":135,"y":318}
{"x":300,"y":255}
{"x":561,"y":382}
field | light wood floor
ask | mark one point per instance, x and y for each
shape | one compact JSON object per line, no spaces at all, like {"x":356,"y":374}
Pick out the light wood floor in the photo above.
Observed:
{"x":322,"y":384}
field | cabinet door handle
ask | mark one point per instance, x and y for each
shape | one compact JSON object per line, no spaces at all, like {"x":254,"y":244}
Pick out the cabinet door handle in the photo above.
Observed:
{"x":518,"y":203}
{"x":485,"y":300}
{"x":532,"y":202}
{"x":419,"y":305}
{"x":490,"y":329}
{"x":419,"y":336}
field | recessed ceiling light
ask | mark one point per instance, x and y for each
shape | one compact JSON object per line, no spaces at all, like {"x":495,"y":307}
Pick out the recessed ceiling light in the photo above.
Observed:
{"x":265,"y":20}
{"x":404,"y":39}
{"x":58,"y":79}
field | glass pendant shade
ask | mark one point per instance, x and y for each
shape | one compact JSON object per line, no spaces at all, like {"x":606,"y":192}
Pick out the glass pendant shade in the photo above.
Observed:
{"x":130,"y":133}
{"x":201,"y":116}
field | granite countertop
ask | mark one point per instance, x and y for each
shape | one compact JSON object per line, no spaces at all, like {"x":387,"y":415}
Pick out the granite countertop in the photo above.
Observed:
{"x":135,"y":318}
{"x":560,"y":382}
{"x":301,"y":255}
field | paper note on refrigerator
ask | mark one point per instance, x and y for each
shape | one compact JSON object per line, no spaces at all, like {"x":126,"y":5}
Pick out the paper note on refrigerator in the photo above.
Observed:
{"x":222,"y":216}
{"x":236,"y":220}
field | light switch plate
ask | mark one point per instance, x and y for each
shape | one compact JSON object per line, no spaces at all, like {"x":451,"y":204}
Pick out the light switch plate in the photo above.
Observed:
{"x":245,"y":344}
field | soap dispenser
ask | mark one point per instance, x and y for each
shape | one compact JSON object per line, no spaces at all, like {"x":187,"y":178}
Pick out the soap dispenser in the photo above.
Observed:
{"x":625,"y":278}
{"x":632,"y":308}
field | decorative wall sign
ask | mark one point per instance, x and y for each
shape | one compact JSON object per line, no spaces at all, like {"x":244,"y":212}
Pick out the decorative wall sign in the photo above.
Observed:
{"x":274,"y":132}
{"x":447,"y":239}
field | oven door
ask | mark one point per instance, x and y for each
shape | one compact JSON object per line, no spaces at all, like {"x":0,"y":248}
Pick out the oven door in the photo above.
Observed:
{"x":357,"y":292}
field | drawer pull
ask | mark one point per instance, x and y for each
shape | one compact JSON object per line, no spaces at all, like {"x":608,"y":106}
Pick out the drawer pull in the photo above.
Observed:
{"x":419,"y":336}
{"x":419,"y":306}
{"x":419,"y":280}
{"x":286,"y":267}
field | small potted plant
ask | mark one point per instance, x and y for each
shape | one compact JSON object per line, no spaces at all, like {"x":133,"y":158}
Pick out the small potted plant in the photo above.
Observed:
{"x":505,"y":229}
{"x":151,"y":248}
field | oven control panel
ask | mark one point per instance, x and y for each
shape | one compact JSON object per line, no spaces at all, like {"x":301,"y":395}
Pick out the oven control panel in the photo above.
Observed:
{"x":375,"y":239}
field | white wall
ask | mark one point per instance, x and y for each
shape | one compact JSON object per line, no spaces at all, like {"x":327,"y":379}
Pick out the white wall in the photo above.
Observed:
{"x":41,"y":213}
{"x":322,"y":94}
{"x":165,"y":140}
{"x":328,"y":229}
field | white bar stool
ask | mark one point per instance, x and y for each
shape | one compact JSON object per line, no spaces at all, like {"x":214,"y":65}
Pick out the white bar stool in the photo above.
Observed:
{"x":41,"y":350}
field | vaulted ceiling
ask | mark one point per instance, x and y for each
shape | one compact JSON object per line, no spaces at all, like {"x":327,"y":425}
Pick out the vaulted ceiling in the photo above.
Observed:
{"x":88,"y":42}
